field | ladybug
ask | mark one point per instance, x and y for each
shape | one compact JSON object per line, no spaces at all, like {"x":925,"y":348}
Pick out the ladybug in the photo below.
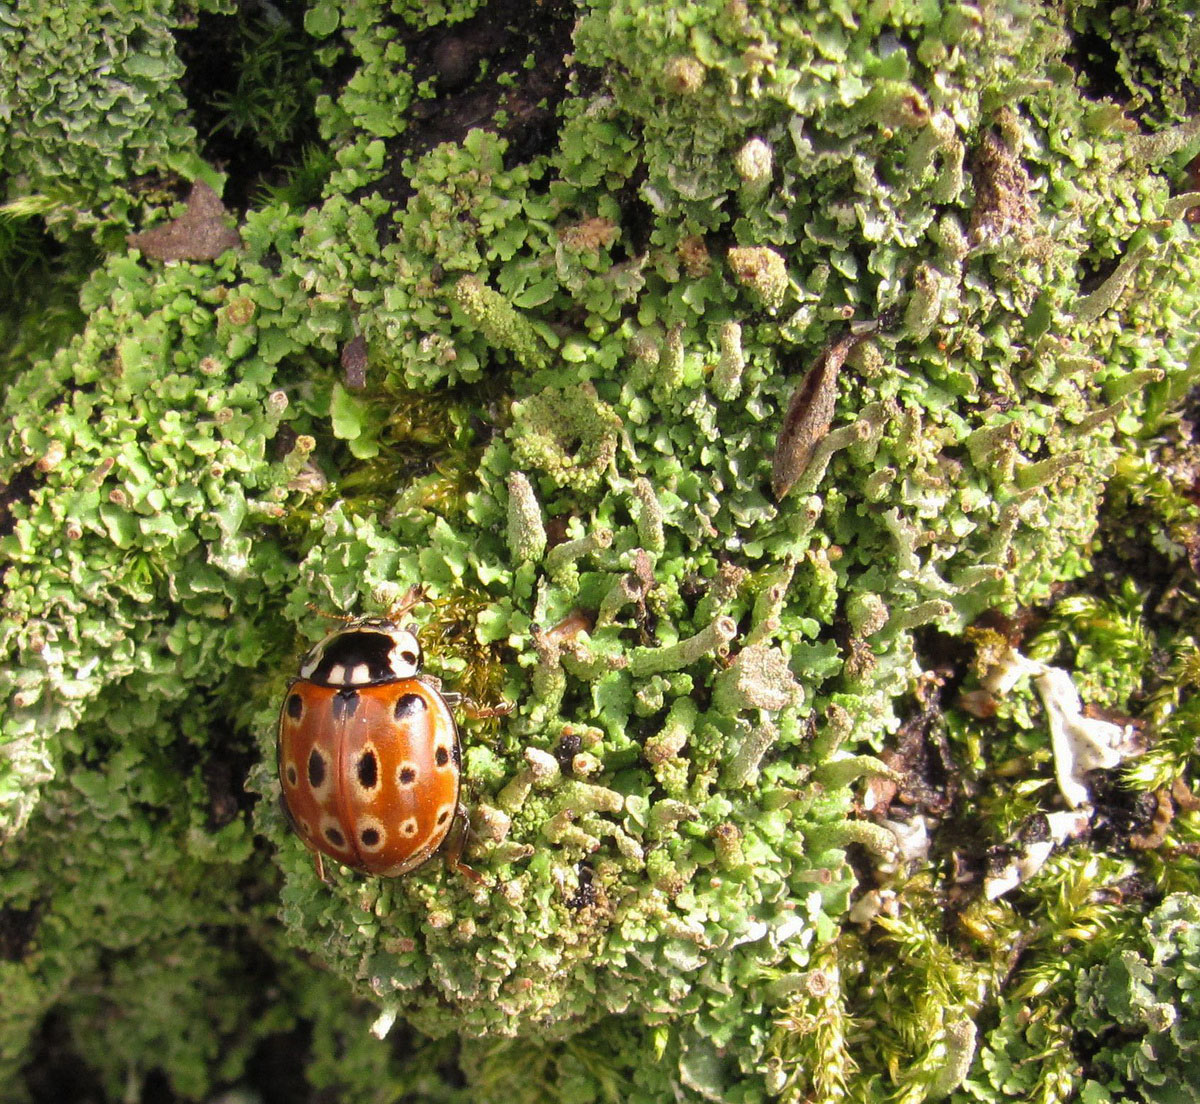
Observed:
{"x":369,"y":759}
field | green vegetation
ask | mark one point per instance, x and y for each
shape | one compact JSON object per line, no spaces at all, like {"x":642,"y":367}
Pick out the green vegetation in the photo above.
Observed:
{"x":526,"y":329}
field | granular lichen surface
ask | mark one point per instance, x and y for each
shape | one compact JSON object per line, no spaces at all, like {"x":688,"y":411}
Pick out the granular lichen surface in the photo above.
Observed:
{"x":734,"y":379}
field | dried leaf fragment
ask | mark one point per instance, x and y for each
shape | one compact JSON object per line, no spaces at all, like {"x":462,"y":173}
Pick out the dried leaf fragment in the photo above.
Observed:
{"x":355,"y":362}
{"x":809,"y":415}
{"x":201,"y":233}
{"x":591,"y":235}
{"x":1003,"y":206}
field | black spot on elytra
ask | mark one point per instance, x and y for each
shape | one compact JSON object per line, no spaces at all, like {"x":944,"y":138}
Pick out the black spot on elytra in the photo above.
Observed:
{"x":369,"y":836}
{"x":407,"y":776}
{"x":368,"y":770}
{"x":441,"y":757}
{"x":443,"y":816}
{"x":291,"y":774}
{"x":295,"y":707}
{"x":316,"y":769}
{"x":335,"y":837}
{"x":343,"y":705}
{"x":410,"y":705}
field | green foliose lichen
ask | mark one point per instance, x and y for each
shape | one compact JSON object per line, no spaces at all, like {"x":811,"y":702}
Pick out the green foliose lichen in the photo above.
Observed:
{"x":93,"y":103}
{"x":1147,"y":993}
{"x":532,"y":350}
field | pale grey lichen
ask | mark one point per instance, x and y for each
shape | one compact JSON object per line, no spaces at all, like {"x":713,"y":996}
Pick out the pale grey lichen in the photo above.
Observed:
{"x":1081,"y":744}
{"x":526,"y":533}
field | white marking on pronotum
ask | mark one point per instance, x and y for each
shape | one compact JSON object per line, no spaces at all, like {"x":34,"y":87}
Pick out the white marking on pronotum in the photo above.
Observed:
{"x":310,"y":663}
{"x":405,"y":656}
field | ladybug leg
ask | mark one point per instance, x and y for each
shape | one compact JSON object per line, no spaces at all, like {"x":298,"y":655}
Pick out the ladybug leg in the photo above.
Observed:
{"x":456,"y":840}
{"x":469,"y":706}
{"x":477,"y":712}
{"x":287,"y":813}
{"x":473,"y":709}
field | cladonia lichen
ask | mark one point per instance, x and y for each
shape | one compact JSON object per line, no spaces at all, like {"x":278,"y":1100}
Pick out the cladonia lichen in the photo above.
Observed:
{"x":529,"y":319}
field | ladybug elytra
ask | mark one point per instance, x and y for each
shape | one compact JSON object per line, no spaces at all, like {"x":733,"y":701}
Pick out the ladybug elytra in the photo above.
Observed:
{"x":369,"y":758}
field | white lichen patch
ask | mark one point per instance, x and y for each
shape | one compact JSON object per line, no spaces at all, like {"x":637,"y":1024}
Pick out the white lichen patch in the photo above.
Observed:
{"x":912,"y":840}
{"x":1032,"y":854}
{"x":1080,"y":744}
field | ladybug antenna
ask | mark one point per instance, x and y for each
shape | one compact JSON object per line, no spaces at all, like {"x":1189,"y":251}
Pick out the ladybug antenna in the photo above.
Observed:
{"x":414,"y":596}
{"x":345,"y":618}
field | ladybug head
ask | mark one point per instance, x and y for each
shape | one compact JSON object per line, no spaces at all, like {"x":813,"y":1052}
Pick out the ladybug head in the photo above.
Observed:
{"x":368,"y":651}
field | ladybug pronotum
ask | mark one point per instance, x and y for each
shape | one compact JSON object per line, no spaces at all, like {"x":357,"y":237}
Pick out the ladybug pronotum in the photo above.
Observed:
{"x":369,"y":759}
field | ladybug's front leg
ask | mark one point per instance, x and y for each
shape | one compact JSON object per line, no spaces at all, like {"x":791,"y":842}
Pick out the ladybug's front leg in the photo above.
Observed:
{"x":456,"y":840}
{"x":472,"y":709}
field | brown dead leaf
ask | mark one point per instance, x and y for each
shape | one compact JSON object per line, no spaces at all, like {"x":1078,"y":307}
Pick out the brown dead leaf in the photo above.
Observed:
{"x":1003,"y":207}
{"x":566,"y":630}
{"x":354,"y":363}
{"x":201,"y":233}
{"x":809,"y":415}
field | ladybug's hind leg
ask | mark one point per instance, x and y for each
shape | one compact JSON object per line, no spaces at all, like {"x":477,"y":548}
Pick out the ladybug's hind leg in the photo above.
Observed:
{"x":456,"y":840}
{"x":287,"y":815}
{"x":469,"y":706}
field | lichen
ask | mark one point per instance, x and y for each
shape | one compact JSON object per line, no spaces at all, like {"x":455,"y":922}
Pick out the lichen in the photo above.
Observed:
{"x":1146,"y":991}
{"x":535,"y":344}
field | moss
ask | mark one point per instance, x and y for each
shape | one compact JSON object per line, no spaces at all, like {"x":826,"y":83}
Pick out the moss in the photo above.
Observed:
{"x":540,"y":364}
